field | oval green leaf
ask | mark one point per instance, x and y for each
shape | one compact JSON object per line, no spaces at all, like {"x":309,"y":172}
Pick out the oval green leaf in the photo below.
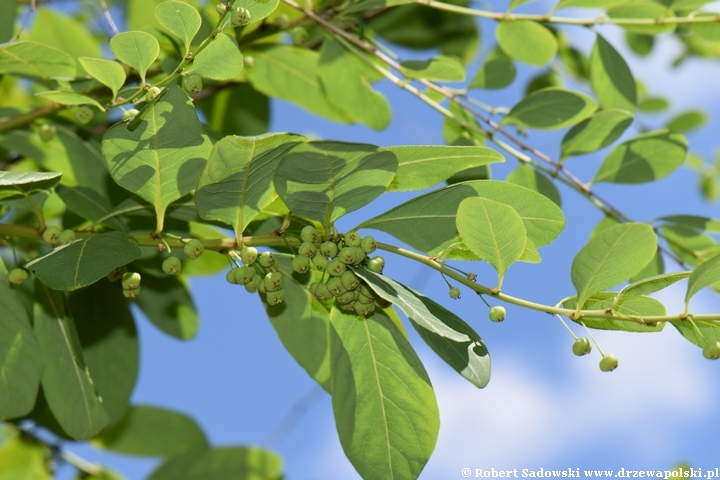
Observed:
{"x":497,"y":71}
{"x":70,"y":98}
{"x":704,"y":275}
{"x":36,"y":61}
{"x":550,"y":109}
{"x":527,"y":41}
{"x":221,"y":463}
{"x":687,"y":121}
{"x":12,"y":184}
{"x":654,"y":284}
{"x":136,"y":49}
{"x":595,"y":133}
{"x":220,"y":60}
{"x":611,"y":78}
{"x":180,"y":19}
{"x":529,"y":177}
{"x":441,"y":68}
{"x":109,"y":73}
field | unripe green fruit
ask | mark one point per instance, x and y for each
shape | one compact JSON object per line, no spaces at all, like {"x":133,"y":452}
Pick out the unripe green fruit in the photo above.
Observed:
{"x":711,"y":351}
{"x":313,"y":287}
{"x":301,"y":264}
{"x":258,"y":282}
{"x":581,"y":347}
{"x":192,"y":84}
{"x":131,"y":280}
{"x":240,"y":16}
{"x":282,"y":20}
{"x":131,"y":293}
{"x":221,"y":8}
{"x":335,"y":267}
{"x":261,"y":285}
{"x":347,"y":297}
{"x":266,"y":260}
{"x":368,"y":244}
{"x":66,"y":236}
{"x":251,"y":288}
{"x":299,"y":35}
{"x":152,"y":93}
{"x":308,"y":249}
{"x":47,"y":131}
{"x":349,"y":280}
{"x":130,"y":114}
{"x":336,"y":286}
{"x":364,"y":309}
{"x":320,"y":262}
{"x":347,"y":256}
{"x":328,"y":249}
{"x":322,"y":292}
{"x":359,"y":255}
{"x":275,"y":298}
{"x":248,"y":61}
{"x":608,"y":363}
{"x":376,"y":264}
{"x":248,"y":255}
{"x":365,"y":299}
{"x":17,"y":276}
{"x":84,"y":114}
{"x":52,"y":235}
{"x":309,"y":234}
{"x":348,"y":307}
{"x":273,"y":282}
{"x":454,"y":293}
{"x":352,"y":239}
{"x":193,"y":249}
{"x":364,"y":290}
{"x":243,"y":275}
{"x":172,"y":265}
{"x":230,"y":277}
{"x":497,"y":314}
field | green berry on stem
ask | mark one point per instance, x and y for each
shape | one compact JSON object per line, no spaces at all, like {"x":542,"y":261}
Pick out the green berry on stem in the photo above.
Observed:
{"x":248,"y":255}
{"x":359,"y":255}
{"x":84,"y":114}
{"x":336,"y":286}
{"x":347,"y":297}
{"x":299,"y":35}
{"x":243,"y":275}
{"x":130,"y":114}
{"x":364,"y":298}
{"x":313,"y":287}
{"x":309,"y":234}
{"x":322,"y":292}
{"x":328,"y":249}
{"x":335,"y":267}
{"x":711,"y":351}
{"x":350,"y":280}
{"x":275,"y":298}
{"x":17,"y":276}
{"x":240,"y":16}
{"x":352,"y":239}
{"x":364,"y":309}
{"x":47,"y":132}
{"x":194,"y":248}
{"x":368,"y":244}
{"x":347,"y":256}
{"x":454,"y":293}
{"x":282,"y":20}
{"x":230,"y":276}
{"x":192,"y":84}
{"x":266,"y":260}
{"x":307,"y":249}
{"x":273,"y":281}
{"x":608,"y":363}
{"x":131,"y":280}
{"x":52,"y":235}
{"x":172,"y":265}
{"x":259,"y":282}
{"x":66,"y":236}
{"x":300,"y":263}
{"x":581,"y":347}
{"x":131,"y":293}
{"x":248,"y":61}
{"x":376,"y":264}
{"x":152,"y":93}
{"x":221,"y":8}
{"x":497,"y":314}
{"x":320,"y":262}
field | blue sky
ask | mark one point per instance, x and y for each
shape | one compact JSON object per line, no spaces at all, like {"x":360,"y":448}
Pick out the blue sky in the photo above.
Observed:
{"x":544,"y":407}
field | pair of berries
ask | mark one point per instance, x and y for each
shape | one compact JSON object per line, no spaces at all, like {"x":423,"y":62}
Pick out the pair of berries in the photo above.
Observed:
{"x":56,"y":236}
{"x":259,"y":274}
{"x":192,"y":250}
{"x":131,"y":284}
{"x":582,"y":346}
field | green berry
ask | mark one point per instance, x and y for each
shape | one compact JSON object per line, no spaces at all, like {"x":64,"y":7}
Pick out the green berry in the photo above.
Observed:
{"x":335,"y":267}
{"x":66,"y":236}
{"x":368,"y":244}
{"x":172,"y":265}
{"x":84,"y":114}
{"x":309,"y":234}
{"x":497,"y":314}
{"x":243,"y":275}
{"x":221,"y":8}
{"x":711,"y":351}
{"x":322,"y":292}
{"x":348,"y":307}
{"x":364,"y":309}
{"x":47,"y":132}
{"x":376,"y":264}
{"x":608,"y":363}
{"x":266,"y":260}
{"x":273,"y":282}
{"x":308,"y":249}
{"x":352,"y":239}
{"x":365,"y":298}
{"x":328,"y":249}
{"x":320,"y":262}
{"x":359,"y":255}
{"x":364,"y":290}
{"x":347,"y":297}
{"x":258,"y":282}
{"x":347,"y":256}
{"x":248,"y":61}
{"x":230,"y":276}
{"x":192,"y":84}
{"x":313,"y":287}
{"x":193,"y":249}
{"x":454,"y":293}
{"x":131,"y":281}
{"x":17,"y":276}
{"x":130,"y":114}
{"x":299,"y":35}
{"x":131,"y":293}
{"x":301,"y":264}
{"x":52,"y":235}
{"x":275,"y":298}
{"x":152,"y":93}
{"x":581,"y":347}
{"x":248,"y":255}
{"x":282,"y":20}
{"x":350,"y":280}
{"x":240,"y":16}
{"x":336,"y":286}
{"x":251,"y":288}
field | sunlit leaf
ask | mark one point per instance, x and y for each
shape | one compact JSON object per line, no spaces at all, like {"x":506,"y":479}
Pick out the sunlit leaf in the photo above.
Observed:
{"x":529,"y":177}
{"x":180,"y":19}
{"x":627,"y":305}
{"x":222,"y":463}
{"x":35,"y":60}
{"x":611,"y":78}
{"x":441,"y":68}
{"x":136,"y":49}
{"x":220,"y":60}
{"x":527,"y":41}
{"x":70,"y":98}
{"x":704,"y":275}
{"x":109,"y":73}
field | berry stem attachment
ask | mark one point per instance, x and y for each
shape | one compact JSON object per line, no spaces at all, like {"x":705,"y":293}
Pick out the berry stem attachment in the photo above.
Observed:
{"x":602,"y":354}
{"x":566,"y":326}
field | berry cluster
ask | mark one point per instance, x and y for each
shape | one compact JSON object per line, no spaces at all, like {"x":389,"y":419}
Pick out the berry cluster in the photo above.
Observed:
{"x":55,"y":236}
{"x":259,"y":273}
{"x":131,"y":284}
{"x":192,"y":250}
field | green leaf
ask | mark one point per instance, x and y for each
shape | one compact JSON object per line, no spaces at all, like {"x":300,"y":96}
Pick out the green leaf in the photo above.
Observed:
{"x":109,"y":73}
{"x":655,"y":267}
{"x":457,"y":136}
{"x":222,"y":463}
{"x":653,"y":105}
{"x":424,"y":166}
{"x":639,"y":43}
{"x":180,"y":19}
{"x":220,"y":60}
{"x":258,"y":9}
{"x":448,"y":335}
{"x":153,"y":432}
{"x":163,"y":158}
{"x":687,"y":243}
{"x":8,"y":10}
{"x":550,"y":109}
{"x":654,"y":284}
{"x":595,"y":132}
{"x":497,"y":71}
{"x":88,"y":204}
{"x":644,"y":9}
{"x":527,"y":41}
{"x":136,"y":49}
{"x":427,"y":222}
{"x":346,"y":83}
{"x":384,"y":405}
{"x":302,"y":322}
{"x":694,"y":222}
{"x":628,"y":305}
{"x":612,"y":256}
{"x":441,"y":68}
{"x":687,"y":121}
{"x":291,"y":73}
{"x":237,"y":181}
{"x":13,"y":184}
{"x":110,"y":347}
{"x":240,"y":110}
{"x":645,"y":158}
{"x":20,"y":365}
{"x":704,"y":275}
{"x":70,"y":98}
{"x":36,"y":61}
{"x":611,"y":78}
{"x":529,"y":177}
{"x":492,"y":231}
{"x":69,"y":390}
{"x":84,"y":261}
{"x":325,"y":180}
{"x":699,"y":332}
{"x":22,"y":457}
{"x":591,"y":3}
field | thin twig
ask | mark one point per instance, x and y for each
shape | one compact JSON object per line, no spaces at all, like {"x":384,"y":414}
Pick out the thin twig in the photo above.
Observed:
{"x":293,"y":416}
{"x":108,"y":17}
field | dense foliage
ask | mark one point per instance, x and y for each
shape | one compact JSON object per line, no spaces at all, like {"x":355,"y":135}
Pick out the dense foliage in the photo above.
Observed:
{"x":121,"y":178}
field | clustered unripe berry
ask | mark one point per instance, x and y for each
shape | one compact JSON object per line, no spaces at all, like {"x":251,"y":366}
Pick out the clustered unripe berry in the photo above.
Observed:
{"x":497,"y":314}
{"x":47,"y":132}
{"x":172,"y":265}
{"x":131,"y":284}
{"x":193,"y":249}
{"x":581,"y":347}
{"x":240,"y":16}
{"x":17,"y":276}
{"x":84,"y":114}
{"x":192,"y":84}
{"x":259,"y":273}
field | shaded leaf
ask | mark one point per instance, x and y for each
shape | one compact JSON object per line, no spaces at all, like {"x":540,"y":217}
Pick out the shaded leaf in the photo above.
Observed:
{"x":8,"y":11}
{"x":497,"y":71}
{"x":258,"y":9}
{"x":704,"y":275}
{"x":35,"y":60}
{"x":220,"y":60}
{"x":655,"y":267}
{"x":595,"y":132}
{"x":88,"y":204}
{"x":528,"y":177}
{"x":22,"y":457}
{"x":222,"y":463}
{"x":240,"y":110}
{"x":653,"y":105}
{"x":611,"y":78}
{"x":550,"y":109}
{"x":644,"y":9}
{"x":441,"y":68}
{"x":527,"y":41}
{"x":687,"y":121}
